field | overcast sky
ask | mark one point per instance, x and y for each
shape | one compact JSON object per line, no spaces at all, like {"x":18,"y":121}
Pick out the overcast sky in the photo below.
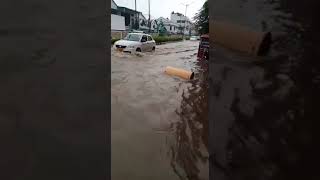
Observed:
{"x":163,"y":8}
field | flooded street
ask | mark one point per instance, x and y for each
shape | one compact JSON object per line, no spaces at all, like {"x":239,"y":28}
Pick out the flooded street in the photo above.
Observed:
{"x":159,"y":122}
{"x":264,"y":108}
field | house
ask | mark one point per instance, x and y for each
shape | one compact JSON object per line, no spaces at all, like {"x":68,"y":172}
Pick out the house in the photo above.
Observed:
{"x":130,"y":16}
{"x":143,"y":23}
{"x":171,"y":27}
{"x":183,"y":22}
{"x":117,"y":22}
{"x":154,"y":25}
{"x":114,"y":8}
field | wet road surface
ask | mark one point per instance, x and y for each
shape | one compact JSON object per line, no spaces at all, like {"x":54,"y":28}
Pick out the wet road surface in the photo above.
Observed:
{"x":263,"y":109}
{"x":159,"y":122}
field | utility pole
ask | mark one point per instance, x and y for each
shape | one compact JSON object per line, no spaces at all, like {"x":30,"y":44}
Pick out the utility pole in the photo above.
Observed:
{"x":185,"y":16}
{"x":180,"y":25}
{"x":149,"y":24}
{"x":135,"y":16}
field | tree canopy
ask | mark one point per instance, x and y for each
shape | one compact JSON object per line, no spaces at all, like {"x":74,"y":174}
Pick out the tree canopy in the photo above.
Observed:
{"x":202,"y":19}
{"x":162,"y":29}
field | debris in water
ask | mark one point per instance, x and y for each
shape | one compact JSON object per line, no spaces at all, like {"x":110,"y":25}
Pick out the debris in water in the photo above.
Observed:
{"x":179,"y":72}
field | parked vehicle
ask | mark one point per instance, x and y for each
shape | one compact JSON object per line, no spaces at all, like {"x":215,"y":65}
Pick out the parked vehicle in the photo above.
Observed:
{"x":194,"y":38}
{"x":135,"y":42}
{"x":136,"y":31}
{"x":203,"y":51}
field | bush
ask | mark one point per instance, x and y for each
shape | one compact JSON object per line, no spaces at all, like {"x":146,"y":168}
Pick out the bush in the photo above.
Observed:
{"x":187,"y":38}
{"x":114,"y":40}
{"x":161,"y":39}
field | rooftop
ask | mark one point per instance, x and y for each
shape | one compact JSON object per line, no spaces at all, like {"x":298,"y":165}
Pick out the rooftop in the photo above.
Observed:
{"x":128,"y":10}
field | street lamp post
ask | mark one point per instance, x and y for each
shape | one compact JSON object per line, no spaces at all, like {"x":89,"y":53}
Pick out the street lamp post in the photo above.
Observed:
{"x":149,"y":24}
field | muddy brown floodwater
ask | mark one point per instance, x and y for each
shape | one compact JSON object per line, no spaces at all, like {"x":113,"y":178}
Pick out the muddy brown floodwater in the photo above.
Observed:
{"x":159,"y":122}
{"x":264,"y":109}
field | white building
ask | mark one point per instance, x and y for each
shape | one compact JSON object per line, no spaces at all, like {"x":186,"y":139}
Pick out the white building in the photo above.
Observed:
{"x":154,"y":25}
{"x":171,"y":27}
{"x":129,"y":16}
{"x":183,"y":22}
{"x":113,"y":5}
{"x":117,"y":21}
{"x":143,"y":23}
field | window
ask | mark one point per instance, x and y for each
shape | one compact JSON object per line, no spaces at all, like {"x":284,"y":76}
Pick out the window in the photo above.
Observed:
{"x":150,"y":38}
{"x":144,"y":38}
{"x":170,"y":28}
{"x":132,"y":37}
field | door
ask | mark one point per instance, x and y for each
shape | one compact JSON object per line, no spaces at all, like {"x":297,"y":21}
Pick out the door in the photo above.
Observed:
{"x":150,"y":43}
{"x":144,"y":43}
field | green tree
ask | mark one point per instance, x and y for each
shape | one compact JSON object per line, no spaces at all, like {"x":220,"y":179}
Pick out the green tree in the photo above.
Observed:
{"x":162,"y":29}
{"x":202,"y":19}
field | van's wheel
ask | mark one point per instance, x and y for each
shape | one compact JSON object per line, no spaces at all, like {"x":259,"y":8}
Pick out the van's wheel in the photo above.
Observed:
{"x":138,"y":50}
{"x":154,"y":48}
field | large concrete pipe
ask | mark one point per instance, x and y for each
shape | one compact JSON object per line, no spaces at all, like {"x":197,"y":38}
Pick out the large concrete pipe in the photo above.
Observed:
{"x":240,"y":38}
{"x":179,"y":72}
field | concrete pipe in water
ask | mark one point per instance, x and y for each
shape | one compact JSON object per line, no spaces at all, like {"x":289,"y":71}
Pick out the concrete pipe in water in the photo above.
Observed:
{"x":179,"y":72}
{"x":240,"y":38}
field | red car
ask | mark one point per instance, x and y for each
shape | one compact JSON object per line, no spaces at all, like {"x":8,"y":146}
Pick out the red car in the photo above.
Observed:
{"x":203,"y":51}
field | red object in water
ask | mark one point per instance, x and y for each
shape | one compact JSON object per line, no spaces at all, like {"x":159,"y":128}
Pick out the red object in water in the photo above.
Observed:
{"x":203,"y":51}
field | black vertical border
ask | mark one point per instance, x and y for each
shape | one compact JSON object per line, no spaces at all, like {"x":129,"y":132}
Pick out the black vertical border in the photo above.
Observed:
{"x":210,"y":93}
{"x":108,"y":78}
{"x":55,"y":90}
